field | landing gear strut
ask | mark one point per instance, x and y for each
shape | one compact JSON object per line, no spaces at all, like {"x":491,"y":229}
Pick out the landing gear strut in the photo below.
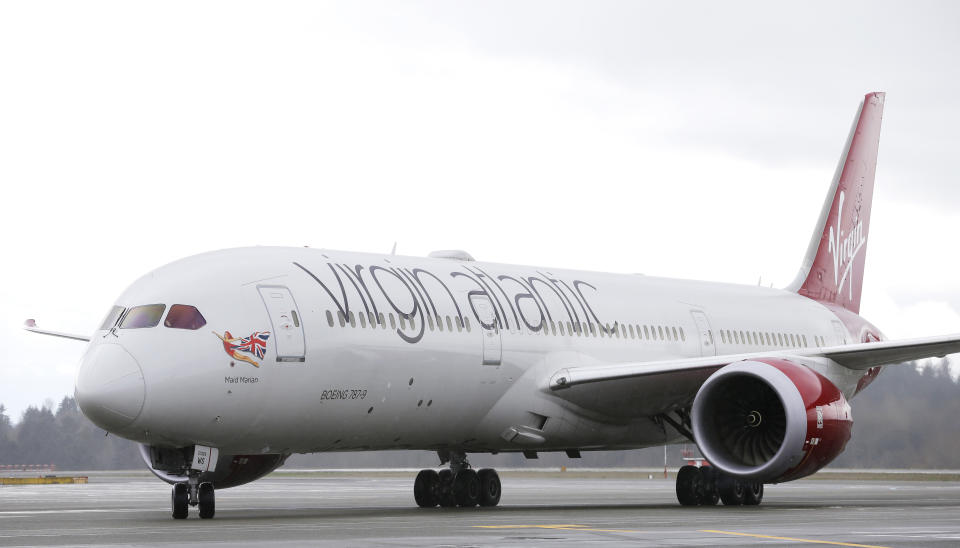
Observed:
{"x":460,"y":485}
{"x":193,"y":493}
{"x":705,"y":486}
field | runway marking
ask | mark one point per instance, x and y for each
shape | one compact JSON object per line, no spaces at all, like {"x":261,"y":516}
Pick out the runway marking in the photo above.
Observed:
{"x":812,"y":541}
{"x":561,"y":526}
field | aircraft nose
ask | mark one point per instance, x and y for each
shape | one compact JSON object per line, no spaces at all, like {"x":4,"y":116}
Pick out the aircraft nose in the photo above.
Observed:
{"x":110,"y":388}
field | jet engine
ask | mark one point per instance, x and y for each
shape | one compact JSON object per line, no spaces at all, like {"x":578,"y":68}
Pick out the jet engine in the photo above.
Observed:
{"x":172,"y":465}
{"x":770,"y":420}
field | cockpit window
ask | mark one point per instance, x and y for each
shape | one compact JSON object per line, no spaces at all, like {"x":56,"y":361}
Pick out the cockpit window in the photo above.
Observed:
{"x":183,"y":316}
{"x":139,"y":317}
{"x":112,"y":317}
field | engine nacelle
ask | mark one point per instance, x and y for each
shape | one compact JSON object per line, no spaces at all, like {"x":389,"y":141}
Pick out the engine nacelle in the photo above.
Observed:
{"x":172,"y":464}
{"x":770,"y":420}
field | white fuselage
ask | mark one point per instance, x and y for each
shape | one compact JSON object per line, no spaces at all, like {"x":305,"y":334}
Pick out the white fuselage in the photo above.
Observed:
{"x":458,"y":352}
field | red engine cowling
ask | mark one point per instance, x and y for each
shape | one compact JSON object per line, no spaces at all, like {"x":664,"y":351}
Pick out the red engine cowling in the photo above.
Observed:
{"x":171,"y":465}
{"x":770,"y":420}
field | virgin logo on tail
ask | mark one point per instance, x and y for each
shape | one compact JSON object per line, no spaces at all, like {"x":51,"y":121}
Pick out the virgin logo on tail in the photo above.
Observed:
{"x":844,"y":251}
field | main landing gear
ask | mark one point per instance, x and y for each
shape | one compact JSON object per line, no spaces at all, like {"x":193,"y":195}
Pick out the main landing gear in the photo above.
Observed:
{"x":458,"y":485}
{"x":193,"y":493}
{"x":705,"y":486}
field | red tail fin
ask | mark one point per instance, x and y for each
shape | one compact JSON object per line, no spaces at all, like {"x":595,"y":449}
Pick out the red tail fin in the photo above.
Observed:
{"x":832,"y":270}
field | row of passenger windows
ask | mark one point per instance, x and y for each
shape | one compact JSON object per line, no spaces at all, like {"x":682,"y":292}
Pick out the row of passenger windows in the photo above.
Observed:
{"x":180,"y":316}
{"x":764,"y":338}
{"x":365,"y":319}
{"x":448,"y":323}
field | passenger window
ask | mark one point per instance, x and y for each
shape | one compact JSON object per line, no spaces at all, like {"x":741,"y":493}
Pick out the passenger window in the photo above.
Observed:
{"x":723,"y":337}
{"x":449,"y":324}
{"x":143,"y":316}
{"x":646,"y":332}
{"x":459,"y":324}
{"x":683,"y":336}
{"x":393,"y":323}
{"x":439,"y":324}
{"x":466,"y":324}
{"x":660,"y":329}
{"x":383,"y":324}
{"x":112,"y":317}
{"x":413,"y":323}
{"x":430,"y":322}
{"x":363,"y":319}
{"x":329,"y":319}
{"x":403,"y":322}
{"x":182,"y":316}
{"x":780,"y":338}
{"x":353,"y":319}
{"x":341,"y":318}
{"x":562,"y":332}
{"x":674,"y":329}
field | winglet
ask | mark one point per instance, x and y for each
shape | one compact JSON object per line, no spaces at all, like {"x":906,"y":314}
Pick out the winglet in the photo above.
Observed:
{"x":31,"y":325}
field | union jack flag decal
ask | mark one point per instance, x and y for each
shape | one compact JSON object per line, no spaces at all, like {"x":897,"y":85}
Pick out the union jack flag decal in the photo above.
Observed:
{"x":255,"y":344}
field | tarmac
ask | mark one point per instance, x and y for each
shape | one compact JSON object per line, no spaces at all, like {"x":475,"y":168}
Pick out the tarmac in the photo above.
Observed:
{"x":575,"y":508}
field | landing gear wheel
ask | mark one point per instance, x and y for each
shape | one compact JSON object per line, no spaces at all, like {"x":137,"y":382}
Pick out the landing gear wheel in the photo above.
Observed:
{"x":207,"y":501}
{"x":689,"y":481}
{"x":445,"y":489}
{"x":753,"y":494}
{"x":425,"y":488}
{"x":466,"y":488}
{"x":489,"y":487}
{"x":709,"y":495}
{"x":179,"y":500}
{"x":731,"y":490}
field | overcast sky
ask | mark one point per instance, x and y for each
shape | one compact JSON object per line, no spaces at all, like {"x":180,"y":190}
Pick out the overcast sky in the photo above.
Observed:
{"x":684,"y":139}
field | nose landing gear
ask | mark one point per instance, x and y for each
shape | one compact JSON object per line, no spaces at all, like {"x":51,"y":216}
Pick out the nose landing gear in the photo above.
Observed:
{"x":459,"y":485}
{"x":705,"y":486}
{"x":193,"y":493}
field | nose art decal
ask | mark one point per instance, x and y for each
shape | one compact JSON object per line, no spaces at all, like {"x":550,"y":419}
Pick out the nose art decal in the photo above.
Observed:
{"x":255,"y":344}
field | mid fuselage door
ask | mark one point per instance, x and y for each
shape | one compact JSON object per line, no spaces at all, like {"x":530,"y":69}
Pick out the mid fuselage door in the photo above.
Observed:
{"x":489,"y":328}
{"x":707,"y":346}
{"x":285,"y":319}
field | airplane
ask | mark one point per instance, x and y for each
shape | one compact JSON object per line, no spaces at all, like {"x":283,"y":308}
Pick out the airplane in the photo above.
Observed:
{"x":223,"y":364}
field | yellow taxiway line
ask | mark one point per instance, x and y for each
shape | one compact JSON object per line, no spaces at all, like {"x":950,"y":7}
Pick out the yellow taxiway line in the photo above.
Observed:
{"x":575,"y":527}
{"x":792,"y":539}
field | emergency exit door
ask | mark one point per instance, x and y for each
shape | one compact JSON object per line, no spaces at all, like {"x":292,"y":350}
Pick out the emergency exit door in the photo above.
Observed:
{"x":286,"y":322}
{"x":492,"y":349}
{"x":707,"y":343}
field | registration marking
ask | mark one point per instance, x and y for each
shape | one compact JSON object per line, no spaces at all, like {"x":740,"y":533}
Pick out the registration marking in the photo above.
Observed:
{"x":792,"y":539}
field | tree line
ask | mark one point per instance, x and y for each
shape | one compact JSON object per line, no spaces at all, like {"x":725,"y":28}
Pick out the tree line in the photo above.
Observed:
{"x":905,"y":419}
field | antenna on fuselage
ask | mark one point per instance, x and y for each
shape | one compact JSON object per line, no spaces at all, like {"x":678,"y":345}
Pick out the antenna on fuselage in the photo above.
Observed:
{"x":394,"y":250}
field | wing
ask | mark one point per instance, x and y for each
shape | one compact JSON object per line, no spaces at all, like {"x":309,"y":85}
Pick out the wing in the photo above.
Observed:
{"x":652,"y":388}
{"x":31,"y":325}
